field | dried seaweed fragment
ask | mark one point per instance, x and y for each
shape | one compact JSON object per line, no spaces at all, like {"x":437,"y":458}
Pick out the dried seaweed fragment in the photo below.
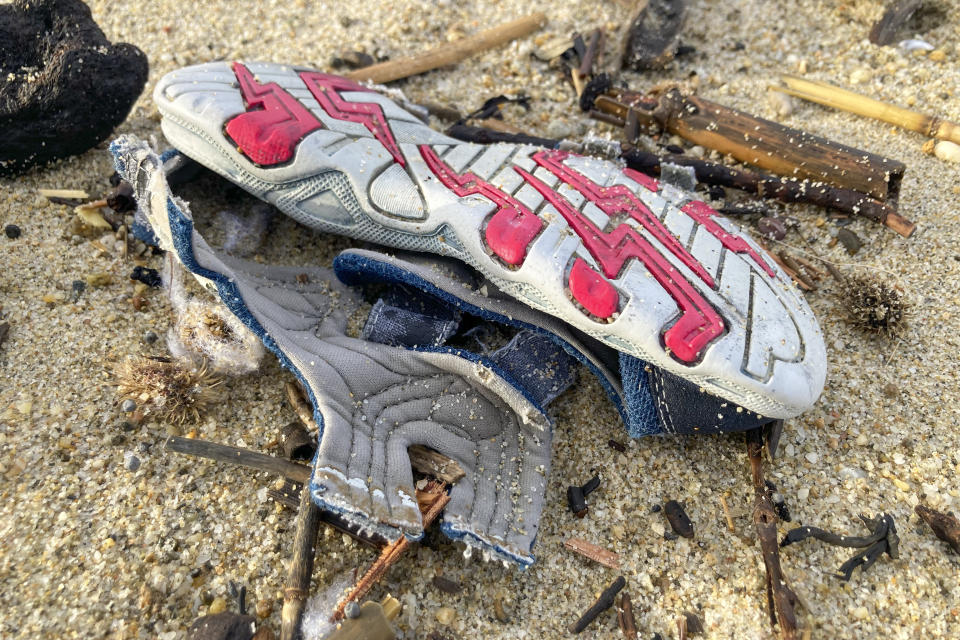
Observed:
{"x":166,"y":389}
{"x":882,"y":539}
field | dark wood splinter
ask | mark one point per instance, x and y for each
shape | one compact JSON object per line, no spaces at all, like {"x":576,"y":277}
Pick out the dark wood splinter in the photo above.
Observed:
{"x":945,"y":526}
{"x":625,"y":619}
{"x":604,"y":602}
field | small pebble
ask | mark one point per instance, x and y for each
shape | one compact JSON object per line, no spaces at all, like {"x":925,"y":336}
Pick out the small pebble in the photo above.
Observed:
{"x":859,"y":76}
{"x":678,"y":518}
{"x":150,"y":337}
{"x":264,"y":608}
{"x":446,"y":585}
{"x":352,"y":610}
{"x":12,"y":231}
{"x":771,"y":227}
{"x":693,"y":622}
{"x":446,"y":615}
{"x":849,"y":240}
{"x":128,"y":405}
{"x":891,"y":390}
{"x":860,"y":613}
{"x":945,"y":150}
{"x":219,"y":605}
{"x":130,"y":461}
{"x":98,"y":279}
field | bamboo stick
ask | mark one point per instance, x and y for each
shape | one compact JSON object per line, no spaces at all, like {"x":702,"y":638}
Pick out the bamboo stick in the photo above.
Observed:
{"x":451,"y":53}
{"x":861,"y":105}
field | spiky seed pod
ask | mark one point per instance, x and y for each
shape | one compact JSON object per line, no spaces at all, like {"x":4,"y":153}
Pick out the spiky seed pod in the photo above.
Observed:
{"x":163,"y":387}
{"x":874,"y":304}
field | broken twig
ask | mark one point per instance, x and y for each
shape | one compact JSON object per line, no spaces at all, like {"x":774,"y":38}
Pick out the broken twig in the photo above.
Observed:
{"x":780,"y":597}
{"x":450,"y":53}
{"x":625,"y":618}
{"x":604,"y":602}
{"x":431,"y":499}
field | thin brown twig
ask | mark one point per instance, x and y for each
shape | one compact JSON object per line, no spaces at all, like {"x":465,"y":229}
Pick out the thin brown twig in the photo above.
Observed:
{"x":780,"y":597}
{"x":450,"y":53}
{"x":432,"y":499}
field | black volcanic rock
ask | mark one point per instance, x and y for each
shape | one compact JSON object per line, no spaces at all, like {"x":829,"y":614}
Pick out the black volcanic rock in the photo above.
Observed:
{"x":63,"y":86}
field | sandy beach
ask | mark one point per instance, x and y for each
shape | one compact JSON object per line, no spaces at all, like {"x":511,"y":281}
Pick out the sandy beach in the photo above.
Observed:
{"x":91,"y":549}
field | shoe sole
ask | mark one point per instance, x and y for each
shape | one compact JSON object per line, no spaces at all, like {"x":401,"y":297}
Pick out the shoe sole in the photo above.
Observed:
{"x":638,"y":265}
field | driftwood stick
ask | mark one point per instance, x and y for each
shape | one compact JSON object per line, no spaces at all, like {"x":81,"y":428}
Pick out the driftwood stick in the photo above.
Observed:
{"x":290,"y":494}
{"x":242,"y":457}
{"x":451,"y":53}
{"x":301,"y":568}
{"x":859,"y":104}
{"x":780,"y":597}
{"x":945,"y":526}
{"x":432,"y":500}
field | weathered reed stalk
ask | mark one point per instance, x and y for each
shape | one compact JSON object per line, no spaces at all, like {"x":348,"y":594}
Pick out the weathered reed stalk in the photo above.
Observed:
{"x":768,"y":145}
{"x":297,"y":589}
{"x":861,"y":105}
{"x":451,"y":53}
{"x":300,"y":406}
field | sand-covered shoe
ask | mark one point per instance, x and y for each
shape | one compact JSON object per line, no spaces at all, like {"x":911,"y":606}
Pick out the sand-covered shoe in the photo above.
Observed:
{"x":640,"y":266}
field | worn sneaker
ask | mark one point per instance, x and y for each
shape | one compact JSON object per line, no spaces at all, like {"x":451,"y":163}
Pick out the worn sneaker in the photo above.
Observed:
{"x":640,"y":266}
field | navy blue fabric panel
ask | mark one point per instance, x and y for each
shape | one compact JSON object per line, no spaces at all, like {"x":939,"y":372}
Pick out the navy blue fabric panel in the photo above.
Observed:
{"x":539,"y":364}
{"x":685,"y":408}
{"x":404,"y":327}
{"x":357,"y":270}
{"x":641,"y":412}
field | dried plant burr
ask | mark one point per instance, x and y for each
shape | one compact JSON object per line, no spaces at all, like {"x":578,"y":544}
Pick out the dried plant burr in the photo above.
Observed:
{"x":873,"y":304}
{"x":165,"y":388}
